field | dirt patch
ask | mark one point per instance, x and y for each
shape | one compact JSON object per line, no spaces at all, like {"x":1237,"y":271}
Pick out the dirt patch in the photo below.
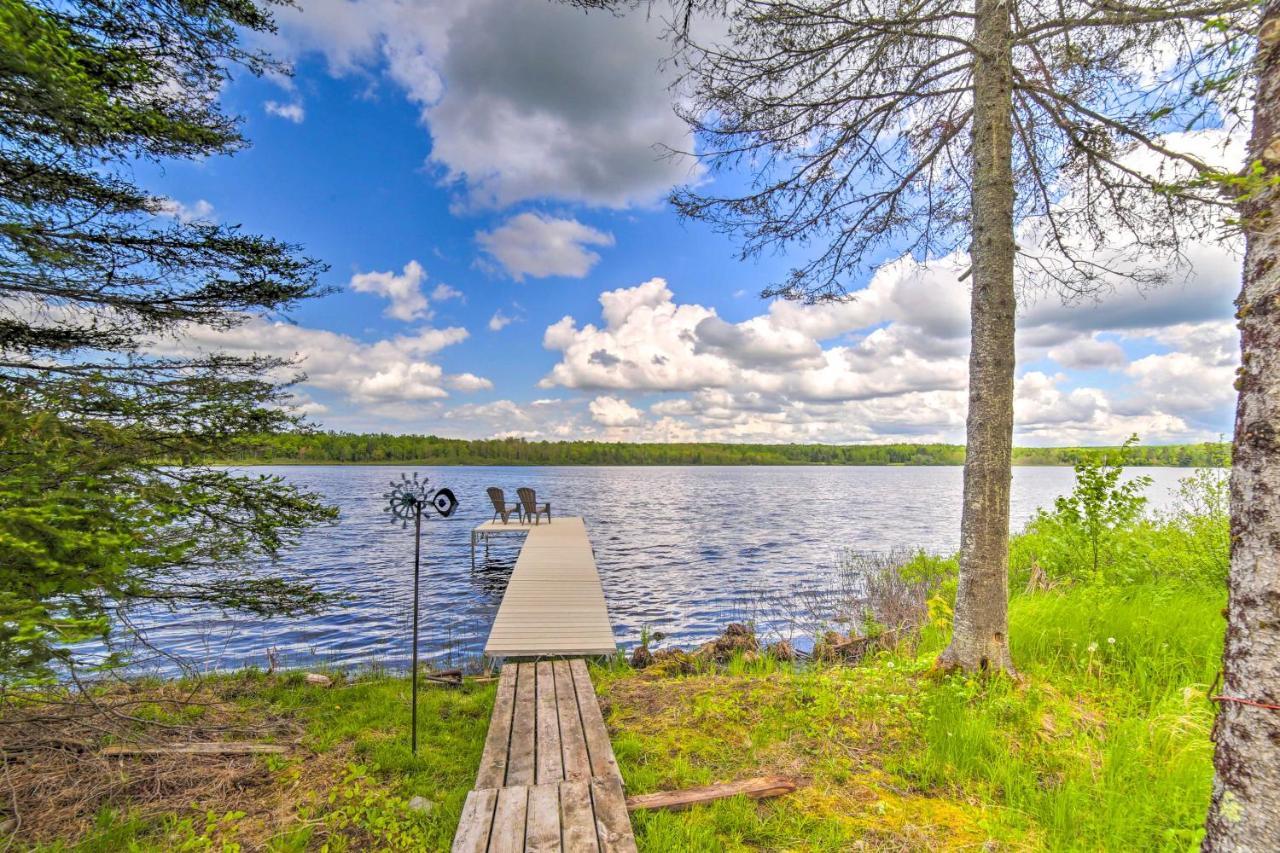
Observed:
{"x":56,"y":782}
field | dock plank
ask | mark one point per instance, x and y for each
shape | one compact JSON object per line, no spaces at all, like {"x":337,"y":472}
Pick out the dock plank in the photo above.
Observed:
{"x":476,"y":822}
{"x":542,"y":821}
{"x":550,"y":766}
{"x":603,"y":762}
{"x":509,"y":820}
{"x":497,"y":743}
{"x":573,"y":741}
{"x":577,"y":818}
{"x":520,"y":763}
{"x":613,"y":825}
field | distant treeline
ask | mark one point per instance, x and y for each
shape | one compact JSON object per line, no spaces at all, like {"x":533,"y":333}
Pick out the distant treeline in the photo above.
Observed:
{"x":338,"y":447}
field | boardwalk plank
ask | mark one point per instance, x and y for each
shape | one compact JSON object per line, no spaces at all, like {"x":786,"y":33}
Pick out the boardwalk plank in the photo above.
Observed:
{"x":550,"y":764}
{"x":613,"y":826}
{"x":603,"y":763}
{"x":509,"y":820}
{"x":577,"y":818}
{"x":520,"y":769}
{"x":476,"y":821}
{"x":542,"y":824}
{"x":493,"y":762}
{"x":573,"y":741}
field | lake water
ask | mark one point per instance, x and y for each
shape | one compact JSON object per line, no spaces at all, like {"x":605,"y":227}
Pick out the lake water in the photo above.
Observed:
{"x":682,"y":550}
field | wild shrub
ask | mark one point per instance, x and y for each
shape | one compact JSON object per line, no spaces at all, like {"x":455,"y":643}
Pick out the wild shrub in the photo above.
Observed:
{"x":1102,"y":534}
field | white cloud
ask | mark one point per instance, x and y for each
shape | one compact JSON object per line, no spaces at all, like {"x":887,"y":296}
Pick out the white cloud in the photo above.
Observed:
{"x":500,"y":321}
{"x":469,"y":382}
{"x":200,"y":211}
{"x":1089,"y":353}
{"x":393,"y":371}
{"x":523,"y":99}
{"x":614,"y":412}
{"x":892,"y":363}
{"x":404,"y":291}
{"x":294,"y":112}
{"x":443,"y":293}
{"x":532,"y":244}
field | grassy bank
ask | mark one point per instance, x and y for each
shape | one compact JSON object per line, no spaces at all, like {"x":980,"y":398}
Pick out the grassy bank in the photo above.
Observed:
{"x":1103,"y":746}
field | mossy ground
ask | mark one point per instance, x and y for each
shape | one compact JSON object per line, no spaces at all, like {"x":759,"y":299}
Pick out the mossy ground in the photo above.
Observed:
{"x":1103,"y":744}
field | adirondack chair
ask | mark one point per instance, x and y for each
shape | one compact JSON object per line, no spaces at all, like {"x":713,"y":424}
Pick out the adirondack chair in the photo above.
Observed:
{"x":500,"y":506}
{"x":529,"y":502}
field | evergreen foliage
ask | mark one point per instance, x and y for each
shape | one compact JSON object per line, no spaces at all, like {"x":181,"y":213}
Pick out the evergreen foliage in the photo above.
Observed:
{"x":99,"y":280}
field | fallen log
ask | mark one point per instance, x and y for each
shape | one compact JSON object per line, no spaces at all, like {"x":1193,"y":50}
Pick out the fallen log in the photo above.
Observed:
{"x":757,"y":788}
{"x":229,"y":747}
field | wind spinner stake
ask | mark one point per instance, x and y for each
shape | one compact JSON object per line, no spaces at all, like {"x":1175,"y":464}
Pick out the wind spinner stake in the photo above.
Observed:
{"x":408,"y":499}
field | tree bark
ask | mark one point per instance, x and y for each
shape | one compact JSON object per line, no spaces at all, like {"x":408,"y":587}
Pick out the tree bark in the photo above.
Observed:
{"x":1245,"y":810}
{"x":980,"y":638}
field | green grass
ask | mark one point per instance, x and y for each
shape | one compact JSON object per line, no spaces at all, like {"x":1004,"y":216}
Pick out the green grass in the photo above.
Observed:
{"x":1101,"y":746}
{"x":1093,"y":750}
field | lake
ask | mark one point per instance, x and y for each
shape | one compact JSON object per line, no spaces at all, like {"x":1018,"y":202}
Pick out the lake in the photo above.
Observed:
{"x":682,"y":550}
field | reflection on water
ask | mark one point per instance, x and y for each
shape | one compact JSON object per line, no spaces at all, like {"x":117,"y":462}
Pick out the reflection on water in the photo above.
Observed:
{"x":681,"y":549}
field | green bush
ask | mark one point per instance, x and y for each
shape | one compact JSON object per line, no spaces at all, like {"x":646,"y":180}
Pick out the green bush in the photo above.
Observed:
{"x":1101,"y":534}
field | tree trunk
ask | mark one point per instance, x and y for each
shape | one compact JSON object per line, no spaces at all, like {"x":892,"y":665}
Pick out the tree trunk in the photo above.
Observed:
{"x":979,"y":641}
{"x":1245,"y":811}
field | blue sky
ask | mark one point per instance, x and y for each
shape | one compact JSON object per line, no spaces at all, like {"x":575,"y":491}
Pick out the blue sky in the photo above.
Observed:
{"x":483,"y":180}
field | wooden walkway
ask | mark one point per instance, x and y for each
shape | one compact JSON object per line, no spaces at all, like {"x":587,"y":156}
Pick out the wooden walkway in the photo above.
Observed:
{"x":554,"y":604}
{"x":548,"y":778}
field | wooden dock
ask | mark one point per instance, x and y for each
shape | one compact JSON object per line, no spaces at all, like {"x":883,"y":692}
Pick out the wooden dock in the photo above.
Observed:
{"x":554,"y":604}
{"x":548,"y":779}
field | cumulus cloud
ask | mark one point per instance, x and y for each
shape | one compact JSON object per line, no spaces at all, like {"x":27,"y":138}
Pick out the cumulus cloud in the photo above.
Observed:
{"x":892,"y":362}
{"x":469,"y":382}
{"x":403,"y":291}
{"x":531,"y":244}
{"x":396,"y":371}
{"x":293,"y":112}
{"x":523,"y":99}
{"x":1089,"y":353}
{"x":614,"y":412}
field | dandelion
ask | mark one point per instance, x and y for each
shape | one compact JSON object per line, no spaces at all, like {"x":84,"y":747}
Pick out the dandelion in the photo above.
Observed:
{"x":1093,"y":647}
{"x":1111,"y":641}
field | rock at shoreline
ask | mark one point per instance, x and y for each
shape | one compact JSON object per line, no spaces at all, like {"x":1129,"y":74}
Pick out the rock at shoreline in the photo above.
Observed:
{"x":641,"y":657}
{"x":317,"y":679}
{"x":781,"y":651}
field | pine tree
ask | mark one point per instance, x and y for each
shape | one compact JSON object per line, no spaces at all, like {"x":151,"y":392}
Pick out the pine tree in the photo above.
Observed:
{"x":106,"y":504}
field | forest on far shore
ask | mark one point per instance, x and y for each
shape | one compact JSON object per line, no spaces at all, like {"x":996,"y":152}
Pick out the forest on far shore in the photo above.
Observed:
{"x":373,"y":448}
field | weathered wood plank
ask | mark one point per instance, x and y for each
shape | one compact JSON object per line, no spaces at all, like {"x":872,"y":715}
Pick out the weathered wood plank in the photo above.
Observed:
{"x":493,"y":762}
{"x":520,"y":769}
{"x":757,"y":788}
{"x":573,"y":741}
{"x":509,"y":820}
{"x":542,"y":823}
{"x":476,"y":822}
{"x":577,"y":818}
{"x":603,"y":763}
{"x":550,"y":763}
{"x":613,"y":826}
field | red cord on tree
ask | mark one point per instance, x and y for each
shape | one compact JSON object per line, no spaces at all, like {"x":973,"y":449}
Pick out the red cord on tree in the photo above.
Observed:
{"x":1239,"y":701}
